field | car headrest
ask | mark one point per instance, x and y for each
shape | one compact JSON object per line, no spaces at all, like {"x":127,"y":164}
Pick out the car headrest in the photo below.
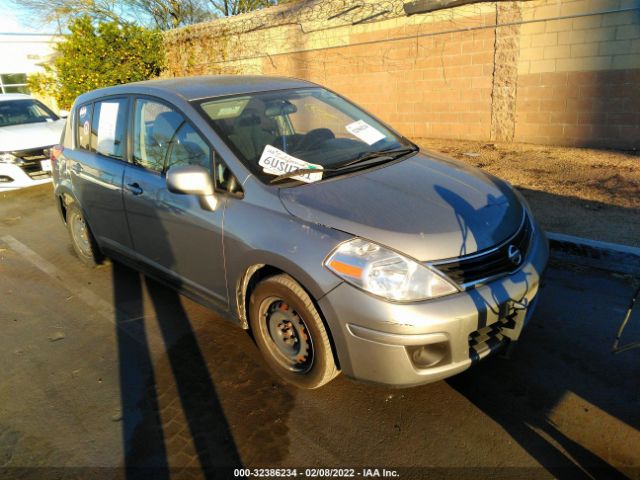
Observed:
{"x":248,"y":118}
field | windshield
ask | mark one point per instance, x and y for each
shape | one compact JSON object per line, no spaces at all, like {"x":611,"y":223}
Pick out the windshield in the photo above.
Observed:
{"x":28,"y":110}
{"x":279,"y":132}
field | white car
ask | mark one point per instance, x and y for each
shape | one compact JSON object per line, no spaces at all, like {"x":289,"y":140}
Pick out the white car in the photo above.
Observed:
{"x":28,"y":129}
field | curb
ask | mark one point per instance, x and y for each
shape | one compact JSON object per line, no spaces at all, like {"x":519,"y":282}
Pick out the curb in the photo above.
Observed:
{"x":604,"y":255}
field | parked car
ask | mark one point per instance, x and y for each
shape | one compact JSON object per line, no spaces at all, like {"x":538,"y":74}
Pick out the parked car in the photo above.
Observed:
{"x":28,"y":129}
{"x":300,"y":216}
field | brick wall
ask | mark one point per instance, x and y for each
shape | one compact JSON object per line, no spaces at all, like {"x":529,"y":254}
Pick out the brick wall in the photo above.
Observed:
{"x":563,"y":72}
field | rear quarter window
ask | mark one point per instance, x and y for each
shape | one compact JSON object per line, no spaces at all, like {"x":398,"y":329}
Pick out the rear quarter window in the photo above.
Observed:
{"x":83,"y":126}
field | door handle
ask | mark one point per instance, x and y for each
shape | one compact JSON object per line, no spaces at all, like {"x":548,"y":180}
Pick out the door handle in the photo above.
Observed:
{"x":134,"y":188}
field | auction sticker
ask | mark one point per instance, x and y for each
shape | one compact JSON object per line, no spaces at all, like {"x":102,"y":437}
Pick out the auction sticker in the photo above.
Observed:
{"x":276,"y":162}
{"x":365,"y":132}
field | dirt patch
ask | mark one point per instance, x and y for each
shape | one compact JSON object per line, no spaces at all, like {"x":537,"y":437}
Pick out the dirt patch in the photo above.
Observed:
{"x":578,"y":191}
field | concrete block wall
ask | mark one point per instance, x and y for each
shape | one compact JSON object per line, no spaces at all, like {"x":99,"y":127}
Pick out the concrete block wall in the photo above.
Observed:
{"x":579,"y":74}
{"x":429,"y":87}
{"x":563,"y":72}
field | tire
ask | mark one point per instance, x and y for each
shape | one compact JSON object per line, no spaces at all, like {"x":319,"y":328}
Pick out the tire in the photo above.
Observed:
{"x":82,"y":240}
{"x":290,"y":333}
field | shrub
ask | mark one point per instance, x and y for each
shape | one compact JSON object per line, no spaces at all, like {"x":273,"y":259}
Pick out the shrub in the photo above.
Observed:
{"x":96,"y":55}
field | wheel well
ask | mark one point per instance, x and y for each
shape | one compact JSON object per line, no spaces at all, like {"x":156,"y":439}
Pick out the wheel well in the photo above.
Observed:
{"x":266,"y":271}
{"x":250,"y":279}
{"x":65,"y":199}
{"x":63,"y":208}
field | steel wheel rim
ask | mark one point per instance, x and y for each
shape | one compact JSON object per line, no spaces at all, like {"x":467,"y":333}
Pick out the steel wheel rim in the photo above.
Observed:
{"x":80,"y":234}
{"x":287,"y":336}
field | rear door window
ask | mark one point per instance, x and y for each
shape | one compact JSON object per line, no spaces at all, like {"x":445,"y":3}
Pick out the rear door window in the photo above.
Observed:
{"x":108,"y":127}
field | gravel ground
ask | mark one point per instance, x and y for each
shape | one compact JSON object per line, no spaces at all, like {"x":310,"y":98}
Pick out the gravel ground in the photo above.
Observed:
{"x":577,"y":191}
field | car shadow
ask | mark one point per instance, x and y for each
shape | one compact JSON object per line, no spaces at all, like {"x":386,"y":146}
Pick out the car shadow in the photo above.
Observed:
{"x":521,"y":396}
{"x":145,"y":434}
{"x":144,"y":448}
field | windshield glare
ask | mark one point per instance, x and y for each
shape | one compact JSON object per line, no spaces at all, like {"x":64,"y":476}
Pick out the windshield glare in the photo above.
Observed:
{"x":18,"y":112}
{"x":312,"y":125}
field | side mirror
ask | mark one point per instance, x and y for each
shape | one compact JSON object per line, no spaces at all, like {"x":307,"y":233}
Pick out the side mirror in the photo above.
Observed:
{"x":192,"y":180}
{"x":63,"y":113}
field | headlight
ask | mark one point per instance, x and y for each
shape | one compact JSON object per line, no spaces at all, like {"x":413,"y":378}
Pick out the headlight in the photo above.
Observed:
{"x":385,"y":273}
{"x":9,"y":158}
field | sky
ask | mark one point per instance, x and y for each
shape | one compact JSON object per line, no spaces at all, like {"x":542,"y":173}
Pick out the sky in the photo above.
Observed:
{"x":14,"y":20}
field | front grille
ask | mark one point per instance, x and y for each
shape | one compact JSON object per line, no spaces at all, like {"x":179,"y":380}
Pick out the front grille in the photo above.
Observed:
{"x":31,"y":162}
{"x":490,"y":263}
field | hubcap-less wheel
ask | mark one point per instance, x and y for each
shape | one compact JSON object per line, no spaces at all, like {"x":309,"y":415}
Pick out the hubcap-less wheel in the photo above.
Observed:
{"x":290,"y":344}
{"x":83,"y":242}
{"x":81,"y":235}
{"x":290,"y":333}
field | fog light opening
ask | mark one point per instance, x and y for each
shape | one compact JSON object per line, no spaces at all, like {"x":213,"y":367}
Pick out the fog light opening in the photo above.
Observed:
{"x":428,"y":356}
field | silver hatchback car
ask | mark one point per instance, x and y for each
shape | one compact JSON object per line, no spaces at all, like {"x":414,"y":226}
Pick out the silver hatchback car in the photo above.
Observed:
{"x":299,"y":216}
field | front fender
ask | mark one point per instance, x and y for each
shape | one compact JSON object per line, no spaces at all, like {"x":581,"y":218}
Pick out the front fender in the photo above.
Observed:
{"x":256,"y":236}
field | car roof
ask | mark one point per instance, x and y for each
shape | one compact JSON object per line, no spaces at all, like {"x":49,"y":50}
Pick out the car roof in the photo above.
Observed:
{"x":194,"y":88}
{"x":13,"y":96}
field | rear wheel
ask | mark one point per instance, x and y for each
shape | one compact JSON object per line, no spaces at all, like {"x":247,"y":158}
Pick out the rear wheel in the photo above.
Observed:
{"x":84,"y":244}
{"x":290,"y":333}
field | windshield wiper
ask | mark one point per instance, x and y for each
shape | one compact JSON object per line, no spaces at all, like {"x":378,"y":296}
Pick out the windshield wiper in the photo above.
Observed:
{"x":369,"y":158}
{"x":364,"y":160}
{"x":299,"y":171}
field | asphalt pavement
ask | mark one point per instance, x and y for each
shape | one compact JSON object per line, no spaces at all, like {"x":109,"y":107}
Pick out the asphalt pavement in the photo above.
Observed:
{"x":107,"y":374}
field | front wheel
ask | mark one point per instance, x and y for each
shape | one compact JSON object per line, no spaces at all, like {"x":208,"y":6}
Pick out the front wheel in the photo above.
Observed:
{"x":290,"y":333}
{"x":82,"y":239}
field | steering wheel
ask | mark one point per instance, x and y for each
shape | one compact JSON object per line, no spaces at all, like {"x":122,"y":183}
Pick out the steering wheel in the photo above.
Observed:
{"x":313,"y":138}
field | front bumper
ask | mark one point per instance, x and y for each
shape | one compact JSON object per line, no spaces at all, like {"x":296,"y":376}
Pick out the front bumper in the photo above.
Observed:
{"x":376,"y":341}
{"x":12,"y":177}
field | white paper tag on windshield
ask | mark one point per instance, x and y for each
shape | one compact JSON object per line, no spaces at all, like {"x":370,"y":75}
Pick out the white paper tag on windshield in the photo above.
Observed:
{"x":277,"y":162}
{"x":365,"y":132}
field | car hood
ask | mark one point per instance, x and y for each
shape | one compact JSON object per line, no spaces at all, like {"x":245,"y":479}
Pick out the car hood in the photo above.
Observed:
{"x":30,"y":135}
{"x":429,"y":207}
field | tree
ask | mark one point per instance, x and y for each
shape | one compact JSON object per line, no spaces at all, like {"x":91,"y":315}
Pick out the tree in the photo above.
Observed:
{"x":161,"y":14}
{"x":235,"y":7}
{"x":97,"y":55}
{"x":168,"y":14}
